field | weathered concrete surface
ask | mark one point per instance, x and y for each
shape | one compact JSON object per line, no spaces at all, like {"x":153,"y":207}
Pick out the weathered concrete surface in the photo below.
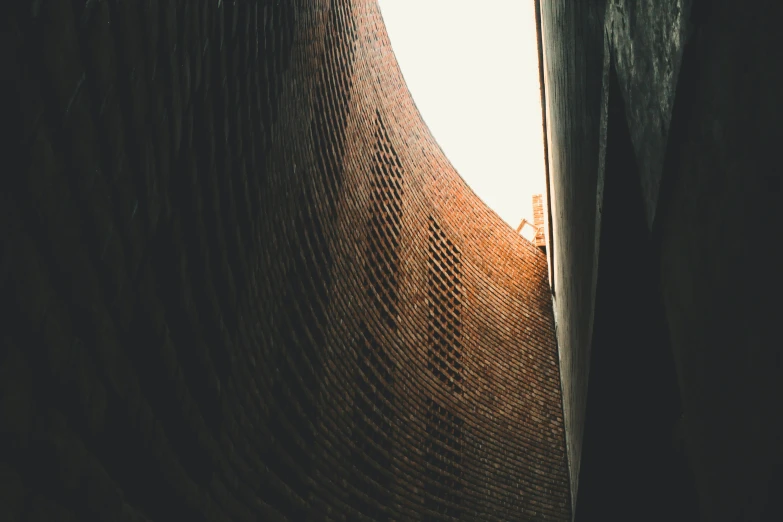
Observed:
{"x":633,"y":405}
{"x":701,"y":85}
{"x":647,"y":41}
{"x":719,"y":225}
{"x":572,"y":34}
{"x":644,"y":42}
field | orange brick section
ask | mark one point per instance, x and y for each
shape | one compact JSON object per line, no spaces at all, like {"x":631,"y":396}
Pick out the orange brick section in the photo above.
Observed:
{"x":244,"y":283}
{"x":538,"y":220}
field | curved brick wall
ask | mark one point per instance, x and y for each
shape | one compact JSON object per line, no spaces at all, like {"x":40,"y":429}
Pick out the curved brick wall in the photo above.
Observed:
{"x":244,"y":283}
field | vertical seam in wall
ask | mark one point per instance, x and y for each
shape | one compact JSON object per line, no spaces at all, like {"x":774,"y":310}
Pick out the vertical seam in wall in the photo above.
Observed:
{"x":550,"y":243}
{"x":540,"y":49}
{"x":599,"y":196}
{"x":599,"y":189}
{"x":550,"y":240}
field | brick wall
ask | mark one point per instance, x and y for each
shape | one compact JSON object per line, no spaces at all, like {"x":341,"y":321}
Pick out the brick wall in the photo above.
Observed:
{"x":244,"y":283}
{"x":538,"y":220}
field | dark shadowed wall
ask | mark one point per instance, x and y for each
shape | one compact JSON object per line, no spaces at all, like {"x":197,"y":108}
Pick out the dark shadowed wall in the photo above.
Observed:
{"x":573,"y":71}
{"x":663,"y":119}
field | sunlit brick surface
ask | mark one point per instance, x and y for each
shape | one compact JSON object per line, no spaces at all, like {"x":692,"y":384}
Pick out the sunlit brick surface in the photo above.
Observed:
{"x":244,"y":283}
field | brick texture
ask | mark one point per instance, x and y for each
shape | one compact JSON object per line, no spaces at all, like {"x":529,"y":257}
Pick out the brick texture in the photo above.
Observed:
{"x":244,"y":283}
{"x":538,"y":220}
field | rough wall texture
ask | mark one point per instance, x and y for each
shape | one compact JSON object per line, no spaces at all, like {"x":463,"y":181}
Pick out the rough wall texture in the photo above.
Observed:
{"x":647,"y":41}
{"x":582,"y":42}
{"x":692,"y":147}
{"x":723,"y":180}
{"x":573,"y":65}
{"x":244,"y":283}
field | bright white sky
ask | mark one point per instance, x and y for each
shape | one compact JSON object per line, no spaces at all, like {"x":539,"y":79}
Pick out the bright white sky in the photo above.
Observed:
{"x":472,"y":69}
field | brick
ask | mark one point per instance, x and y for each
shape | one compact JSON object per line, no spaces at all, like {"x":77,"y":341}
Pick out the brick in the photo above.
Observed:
{"x":279,"y":300}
